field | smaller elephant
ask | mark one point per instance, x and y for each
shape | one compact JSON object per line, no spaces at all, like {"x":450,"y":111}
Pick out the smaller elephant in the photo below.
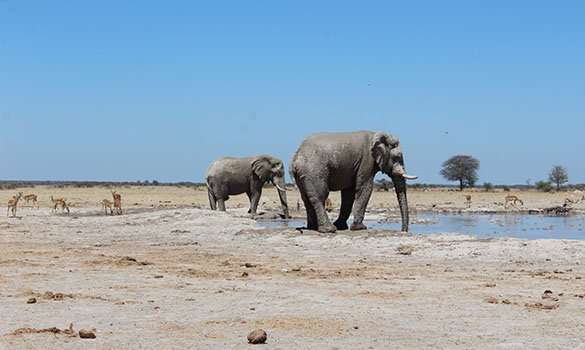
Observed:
{"x":232,"y":176}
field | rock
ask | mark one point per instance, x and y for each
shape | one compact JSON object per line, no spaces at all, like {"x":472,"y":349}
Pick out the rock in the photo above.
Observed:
{"x":491,"y":300}
{"x":405,"y":249}
{"x":245,"y":274}
{"x":257,"y":336}
{"x":31,"y":301}
{"x":86,"y":334}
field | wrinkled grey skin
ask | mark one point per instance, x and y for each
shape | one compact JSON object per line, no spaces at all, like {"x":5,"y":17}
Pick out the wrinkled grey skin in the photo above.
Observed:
{"x":347,"y":162}
{"x":232,"y":176}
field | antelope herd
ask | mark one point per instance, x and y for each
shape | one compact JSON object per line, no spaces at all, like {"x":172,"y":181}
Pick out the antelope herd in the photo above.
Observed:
{"x":114,"y":206}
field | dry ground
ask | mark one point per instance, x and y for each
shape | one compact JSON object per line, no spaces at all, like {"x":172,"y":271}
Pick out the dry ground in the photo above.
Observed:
{"x":169,"y":276}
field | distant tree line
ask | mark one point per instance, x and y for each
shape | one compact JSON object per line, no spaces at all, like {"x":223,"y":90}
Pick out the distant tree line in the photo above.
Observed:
{"x":11,"y":184}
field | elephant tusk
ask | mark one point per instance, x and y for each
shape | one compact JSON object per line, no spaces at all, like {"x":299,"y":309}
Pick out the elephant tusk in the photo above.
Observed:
{"x":410,"y":177}
{"x":280,"y":188}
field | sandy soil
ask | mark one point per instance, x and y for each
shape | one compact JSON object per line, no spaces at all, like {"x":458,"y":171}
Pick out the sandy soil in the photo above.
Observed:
{"x":167,"y":275}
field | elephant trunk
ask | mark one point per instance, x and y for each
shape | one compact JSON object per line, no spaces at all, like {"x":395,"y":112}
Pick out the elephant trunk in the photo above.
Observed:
{"x":400,"y":188}
{"x":280,"y":187}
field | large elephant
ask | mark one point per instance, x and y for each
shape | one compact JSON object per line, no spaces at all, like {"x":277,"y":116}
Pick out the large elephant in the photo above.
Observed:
{"x":232,"y":176}
{"x":347,"y":162}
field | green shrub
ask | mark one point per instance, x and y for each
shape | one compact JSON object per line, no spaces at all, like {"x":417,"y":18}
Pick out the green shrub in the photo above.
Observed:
{"x":544,"y":186}
{"x":488,"y":186}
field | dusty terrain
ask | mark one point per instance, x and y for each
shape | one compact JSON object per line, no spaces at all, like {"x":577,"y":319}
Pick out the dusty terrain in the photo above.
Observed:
{"x":168,"y":275}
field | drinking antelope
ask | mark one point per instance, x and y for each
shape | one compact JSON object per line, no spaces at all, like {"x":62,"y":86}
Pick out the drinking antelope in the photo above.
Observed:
{"x":12,"y":203}
{"x":106,"y":204}
{"x":31,"y":198}
{"x":60,"y":202}
{"x":513,"y":200}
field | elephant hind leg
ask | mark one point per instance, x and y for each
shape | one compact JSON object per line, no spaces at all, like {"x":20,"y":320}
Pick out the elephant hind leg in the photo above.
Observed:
{"x":347,"y":198}
{"x":311,"y":215}
{"x":315,"y":196}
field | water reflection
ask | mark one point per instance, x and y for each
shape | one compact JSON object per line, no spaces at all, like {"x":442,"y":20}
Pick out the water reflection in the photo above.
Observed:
{"x":481,"y":225}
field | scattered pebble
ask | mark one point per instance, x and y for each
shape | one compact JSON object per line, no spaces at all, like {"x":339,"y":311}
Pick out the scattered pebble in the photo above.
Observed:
{"x":31,"y":301}
{"x":542,"y":306}
{"x":257,"y":336}
{"x":245,"y":274}
{"x":492,"y":300}
{"x":405,"y":249}
{"x":86,"y":334}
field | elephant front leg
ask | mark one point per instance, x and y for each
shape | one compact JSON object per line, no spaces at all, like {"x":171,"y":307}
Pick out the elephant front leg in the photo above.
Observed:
{"x":212,"y":201}
{"x":347,"y":199}
{"x":254,"y":200}
{"x":221,"y":204}
{"x":362,"y":197}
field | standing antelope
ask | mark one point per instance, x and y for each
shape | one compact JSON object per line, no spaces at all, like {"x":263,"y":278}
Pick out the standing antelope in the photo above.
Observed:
{"x":60,"y":202}
{"x":12,"y":203}
{"x":117,"y":202}
{"x":31,"y":198}
{"x":468,"y":200}
{"x":513,"y":200}
{"x":328,"y":205}
{"x":106,"y":204}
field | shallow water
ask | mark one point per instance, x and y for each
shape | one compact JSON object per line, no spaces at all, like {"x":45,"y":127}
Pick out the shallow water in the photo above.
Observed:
{"x":480,"y":225}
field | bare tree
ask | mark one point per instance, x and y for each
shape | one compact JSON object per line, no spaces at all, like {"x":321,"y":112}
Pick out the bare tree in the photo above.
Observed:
{"x":559,"y":176}
{"x":461,"y":168}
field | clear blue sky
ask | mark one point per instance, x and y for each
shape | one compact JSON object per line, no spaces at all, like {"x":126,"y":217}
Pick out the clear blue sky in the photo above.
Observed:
{"x":143,"y":90}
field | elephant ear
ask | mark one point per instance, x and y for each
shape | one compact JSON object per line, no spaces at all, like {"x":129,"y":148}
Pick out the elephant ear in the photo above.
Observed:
{"x":382,"y":145}
{"x":262,"y":167}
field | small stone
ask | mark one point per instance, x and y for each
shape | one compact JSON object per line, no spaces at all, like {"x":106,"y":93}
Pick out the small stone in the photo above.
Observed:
{"x":491,"y":300}
{"x":245,"y":274}
{"x":158,"y":276}
{"x":31,"y":301}
{"x":257,"y":336}
{"x":86,"y":334}
{"x":405,"y":249}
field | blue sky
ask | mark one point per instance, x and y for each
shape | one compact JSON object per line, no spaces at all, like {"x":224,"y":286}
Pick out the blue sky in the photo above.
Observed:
{"x":143,"y":90}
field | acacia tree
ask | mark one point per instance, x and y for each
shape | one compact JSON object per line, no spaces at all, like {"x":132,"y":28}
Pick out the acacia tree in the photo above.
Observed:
{"x":559,"y":176}
{"x":461,"y":168}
